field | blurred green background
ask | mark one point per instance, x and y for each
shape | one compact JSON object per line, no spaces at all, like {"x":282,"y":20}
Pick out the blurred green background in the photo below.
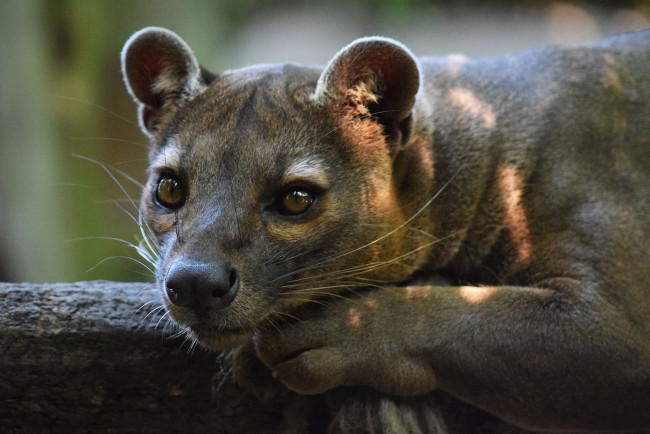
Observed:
{"x":61,"y":94}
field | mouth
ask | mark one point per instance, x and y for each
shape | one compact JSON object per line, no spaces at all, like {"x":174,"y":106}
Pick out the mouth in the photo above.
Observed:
{"x":213,"y":330}
{"x":218,"y":329}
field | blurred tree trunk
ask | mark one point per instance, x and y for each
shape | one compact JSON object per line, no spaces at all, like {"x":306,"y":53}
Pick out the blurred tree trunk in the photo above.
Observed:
{"x":61,"y":93}
{"x":30,"y":165}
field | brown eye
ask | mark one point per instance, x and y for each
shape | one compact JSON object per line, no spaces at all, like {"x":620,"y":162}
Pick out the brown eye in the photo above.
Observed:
{"x":294,"y":202}
{"x":169,"y":193}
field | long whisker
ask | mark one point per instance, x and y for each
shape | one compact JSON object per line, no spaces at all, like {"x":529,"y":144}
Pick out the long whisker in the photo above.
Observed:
{"x":319,"y":301}
{"x":161,"y":318}
{"x":329,"y":274}
{"x":119,"y":257}
{"x":313,"y":289}
{"x":171,"y":324}
{"x":364,"y":268}
{"x":143,"y":253}
{"x":154,"y":312}
{"x":149,"y":240}
{"x":334,"y":228}
{"x":272,"y":260}
{"x":375,"y":266}
{"x":409,"y":220}
{"x":111,"y":139}
{"x":145,"y":305}
{"x":99,"y":107}
{"x":151,"y":252}
{"x":113,"y":177}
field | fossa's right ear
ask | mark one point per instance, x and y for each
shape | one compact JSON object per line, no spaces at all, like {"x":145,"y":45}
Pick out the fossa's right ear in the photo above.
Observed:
{"x":159,"y":68}
{"x":373,"y":77}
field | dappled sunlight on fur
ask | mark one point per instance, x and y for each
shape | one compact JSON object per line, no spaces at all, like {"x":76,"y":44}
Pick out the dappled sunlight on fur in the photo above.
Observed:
{"x":476,"y":294}
{"x":467,"y":101}
{"x":511,"y":189}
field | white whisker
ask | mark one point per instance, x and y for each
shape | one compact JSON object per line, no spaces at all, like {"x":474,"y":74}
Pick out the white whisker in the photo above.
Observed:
{"x":376,"y":240}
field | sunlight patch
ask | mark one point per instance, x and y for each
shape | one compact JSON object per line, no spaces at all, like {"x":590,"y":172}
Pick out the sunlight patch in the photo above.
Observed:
{"x":510,"y":188}
{"x":467,"y":101}
{"x":476,"y":294}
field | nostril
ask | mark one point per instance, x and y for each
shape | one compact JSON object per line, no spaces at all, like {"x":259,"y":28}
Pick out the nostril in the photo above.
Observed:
{"x":218,"y":292}
{"x":178,"y":291}
{"x":172,"y":294}
{"x":234,"y":279}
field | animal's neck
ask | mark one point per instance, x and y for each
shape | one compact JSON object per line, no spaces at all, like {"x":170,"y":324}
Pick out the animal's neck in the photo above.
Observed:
{"x":471,"y":184}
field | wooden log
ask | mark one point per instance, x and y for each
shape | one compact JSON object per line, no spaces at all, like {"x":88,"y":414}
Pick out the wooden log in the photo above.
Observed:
{"x":93,"y":357}
{"x":100,"y":357}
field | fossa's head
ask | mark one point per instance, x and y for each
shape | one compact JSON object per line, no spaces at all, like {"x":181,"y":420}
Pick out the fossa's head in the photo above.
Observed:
{"x":275,"y":185}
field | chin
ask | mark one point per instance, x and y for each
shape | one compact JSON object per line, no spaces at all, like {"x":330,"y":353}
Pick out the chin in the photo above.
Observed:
{"x":219,"y":340}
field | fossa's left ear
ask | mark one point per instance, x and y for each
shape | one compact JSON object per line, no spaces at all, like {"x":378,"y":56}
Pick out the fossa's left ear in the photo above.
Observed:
{"x":375,"y":77}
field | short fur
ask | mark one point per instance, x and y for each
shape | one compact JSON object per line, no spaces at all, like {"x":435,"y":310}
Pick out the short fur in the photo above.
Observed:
{"x":479,"y":235}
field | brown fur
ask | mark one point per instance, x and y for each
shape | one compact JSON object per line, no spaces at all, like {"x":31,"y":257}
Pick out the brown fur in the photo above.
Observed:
{"x":476,"y":249}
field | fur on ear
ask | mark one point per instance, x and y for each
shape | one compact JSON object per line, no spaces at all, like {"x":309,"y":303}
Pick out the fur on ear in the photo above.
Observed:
{"x":375,"y":78}
{"x":158,"y":67}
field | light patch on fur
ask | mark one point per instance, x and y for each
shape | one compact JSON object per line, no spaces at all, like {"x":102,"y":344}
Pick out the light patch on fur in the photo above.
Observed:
{"x":468,"y":102}
{"x":354,"y":317}
{"x":476,"y":294}
{"x":609,"y":59}
{"x":455,"y":62}
{"x":425,"y":155}
{"x":379,"y":199}
{"x":510,"y":189}
{"x":361,"y":94}
{"x":167,"y":83}
{"x":174,"y":80}
{"x":372,"y":303}
{"x":612,"y":80}
{"x":380,"y":195}
{"x":311,"y":169}
{"x":209,"y":215}
{"x":168,"y":157}
{"x":162,"y":224}
{"x":357,"y":122}
{"x":292,"y":231}
{"x":303,"y":95}
{"x":416,"y":291}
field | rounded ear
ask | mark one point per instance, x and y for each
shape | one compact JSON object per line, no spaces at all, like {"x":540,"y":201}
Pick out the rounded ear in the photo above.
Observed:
{"x":159,"y":66}
{"x":381,"y":76}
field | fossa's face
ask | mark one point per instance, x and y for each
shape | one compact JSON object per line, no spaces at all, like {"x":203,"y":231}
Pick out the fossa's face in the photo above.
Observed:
{"x":258,"y":206}
{"x":265,"y":193}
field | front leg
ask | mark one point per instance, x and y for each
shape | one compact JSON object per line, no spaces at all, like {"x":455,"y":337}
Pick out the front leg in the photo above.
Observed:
{"x":542,"y":357}
{"x":345,"y":343}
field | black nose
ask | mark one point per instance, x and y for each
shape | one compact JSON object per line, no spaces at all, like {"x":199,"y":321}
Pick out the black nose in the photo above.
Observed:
{"x":201,"y":285}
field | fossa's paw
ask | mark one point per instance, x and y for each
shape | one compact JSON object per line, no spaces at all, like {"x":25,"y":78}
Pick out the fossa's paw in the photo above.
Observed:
{"x":247,"y":371}
{"x":345,"y":343}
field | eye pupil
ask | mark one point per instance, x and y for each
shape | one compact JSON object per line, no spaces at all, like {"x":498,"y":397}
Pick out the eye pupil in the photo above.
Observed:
{"x":295,"y":202}
{"x":169,"y":193}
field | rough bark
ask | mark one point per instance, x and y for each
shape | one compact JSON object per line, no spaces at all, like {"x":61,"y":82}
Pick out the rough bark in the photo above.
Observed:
{"x":93,"y":357}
